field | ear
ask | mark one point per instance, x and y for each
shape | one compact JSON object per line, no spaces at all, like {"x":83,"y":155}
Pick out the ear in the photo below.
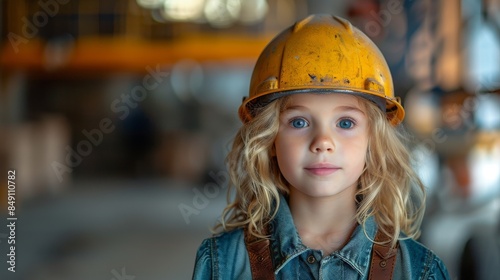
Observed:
{"x":273,"y":151}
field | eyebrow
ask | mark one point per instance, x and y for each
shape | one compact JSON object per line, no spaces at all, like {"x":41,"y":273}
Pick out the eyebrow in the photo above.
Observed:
{"x":342,"y":108}
{"x":350,"y":108}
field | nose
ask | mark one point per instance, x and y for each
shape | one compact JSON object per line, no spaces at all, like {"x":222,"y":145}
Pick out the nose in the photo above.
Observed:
{"x":323,"y":142}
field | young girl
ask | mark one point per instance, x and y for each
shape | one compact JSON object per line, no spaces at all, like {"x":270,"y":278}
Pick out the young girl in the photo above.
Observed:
{"x":324,"y":188}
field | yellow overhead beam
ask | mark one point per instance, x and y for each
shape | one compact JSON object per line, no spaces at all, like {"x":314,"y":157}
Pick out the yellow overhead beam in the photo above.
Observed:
{"x":122,"y":54}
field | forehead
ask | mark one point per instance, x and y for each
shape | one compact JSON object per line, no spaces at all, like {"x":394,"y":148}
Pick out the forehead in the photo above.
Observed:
{"x":324,"y":100}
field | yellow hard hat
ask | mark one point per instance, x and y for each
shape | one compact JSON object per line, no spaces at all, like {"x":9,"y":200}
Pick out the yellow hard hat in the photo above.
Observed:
{"x":322,"y":54}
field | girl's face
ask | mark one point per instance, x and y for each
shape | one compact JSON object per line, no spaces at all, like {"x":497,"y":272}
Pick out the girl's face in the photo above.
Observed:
{"x":321,"y":143}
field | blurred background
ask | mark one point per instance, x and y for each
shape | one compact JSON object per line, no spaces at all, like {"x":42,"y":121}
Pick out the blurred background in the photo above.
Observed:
{"x":116,"y":116}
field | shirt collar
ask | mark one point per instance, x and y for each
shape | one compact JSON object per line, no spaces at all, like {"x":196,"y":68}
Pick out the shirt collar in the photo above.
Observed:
{"x":286,"y":243}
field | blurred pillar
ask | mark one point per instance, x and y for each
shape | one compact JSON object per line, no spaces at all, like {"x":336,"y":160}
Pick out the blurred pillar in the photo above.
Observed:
{"x":448,"y":73}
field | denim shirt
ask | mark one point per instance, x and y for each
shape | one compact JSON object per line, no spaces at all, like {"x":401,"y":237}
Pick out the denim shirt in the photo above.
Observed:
{"x":224,"y":256}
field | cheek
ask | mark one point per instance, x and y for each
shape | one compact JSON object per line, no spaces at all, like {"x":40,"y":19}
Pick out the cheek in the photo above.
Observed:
{"x":280,"y":141}
{"x":285,"y":143}
{"x":282,"y":149}
{"x":357,"y":151}
{"x":284,"y":162}
{"x":287,"y":154}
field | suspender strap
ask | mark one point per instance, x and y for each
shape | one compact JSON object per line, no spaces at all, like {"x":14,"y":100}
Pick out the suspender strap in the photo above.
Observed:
{"x":383,"y":259}
{"x":259,"y":253}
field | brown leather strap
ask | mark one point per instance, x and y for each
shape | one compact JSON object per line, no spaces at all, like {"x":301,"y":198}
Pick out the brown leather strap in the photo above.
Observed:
{"x":383,"y":259}
{"x":259,"y":253}
{"x":382,"y":263}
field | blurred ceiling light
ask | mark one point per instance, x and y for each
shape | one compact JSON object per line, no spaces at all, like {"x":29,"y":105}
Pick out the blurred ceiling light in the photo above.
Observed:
{"x":150,"y":4}
{"x":487,"y":116}
{"x":484,"y":161}
{"x":157,"y":15}
{"x":222,"y":13}
{"x":253,"y":11}
{"x":183,"y":10}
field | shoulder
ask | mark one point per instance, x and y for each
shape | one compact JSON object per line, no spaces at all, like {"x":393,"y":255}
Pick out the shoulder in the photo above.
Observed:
{"x":420,"y":261}
{"x":229,"y":236}
{"x":216,"y":252}
{"x":224,"y":243}
{"x":221,"y":241}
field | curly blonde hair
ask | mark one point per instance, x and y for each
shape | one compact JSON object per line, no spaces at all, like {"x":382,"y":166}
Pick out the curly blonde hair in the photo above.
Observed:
{"x":389,"y":189}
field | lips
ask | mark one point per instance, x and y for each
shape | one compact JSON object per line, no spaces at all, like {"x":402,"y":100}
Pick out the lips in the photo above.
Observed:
{"x":322,"y":169}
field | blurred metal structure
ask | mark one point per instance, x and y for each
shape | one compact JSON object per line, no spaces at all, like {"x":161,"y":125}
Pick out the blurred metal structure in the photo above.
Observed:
{"x":453,"y":111}
{"x":121,"y":35}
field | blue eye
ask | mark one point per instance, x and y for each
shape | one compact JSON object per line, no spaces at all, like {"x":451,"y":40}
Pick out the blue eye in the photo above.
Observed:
{"x":299,"y":123}
{"x":345,"y":123}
